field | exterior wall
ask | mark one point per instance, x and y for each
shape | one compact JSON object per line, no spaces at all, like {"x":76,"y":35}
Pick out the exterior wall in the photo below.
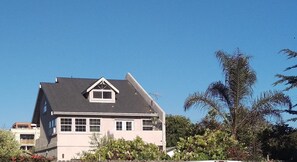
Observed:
{"x":47,"y":141}
{"x":71,"y":143}
{"x":109,"y":127}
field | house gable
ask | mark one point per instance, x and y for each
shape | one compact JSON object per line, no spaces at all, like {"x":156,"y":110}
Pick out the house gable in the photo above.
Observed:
{"x":102,"y":91}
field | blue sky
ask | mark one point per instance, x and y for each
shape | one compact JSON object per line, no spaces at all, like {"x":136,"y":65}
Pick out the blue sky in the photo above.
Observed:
{"x":168,"y":46}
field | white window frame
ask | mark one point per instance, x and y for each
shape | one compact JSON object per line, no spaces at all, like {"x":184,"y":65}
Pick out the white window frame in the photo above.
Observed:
{"x":102,"y":100}
{"x":71,"y":125}
{"x":124,"y":125}
{"x":96,"y":125}
{"x":80,"y":125}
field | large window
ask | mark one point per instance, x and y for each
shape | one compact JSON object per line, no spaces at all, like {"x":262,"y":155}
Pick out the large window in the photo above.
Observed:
{"x":80,"y":125}
{"x":94,"y":125}
{"x":66,"y":124}
{"x":147,"y":125}
{"x":124,"y":125}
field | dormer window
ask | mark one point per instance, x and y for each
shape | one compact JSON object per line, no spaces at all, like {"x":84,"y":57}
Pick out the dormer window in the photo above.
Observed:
{"x":102,"y":91}
{"x":102,"y":95}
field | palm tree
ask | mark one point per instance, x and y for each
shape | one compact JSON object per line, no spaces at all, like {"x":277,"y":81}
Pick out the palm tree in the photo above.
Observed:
{"x":232,"y":99}
{"x":290,"y":81}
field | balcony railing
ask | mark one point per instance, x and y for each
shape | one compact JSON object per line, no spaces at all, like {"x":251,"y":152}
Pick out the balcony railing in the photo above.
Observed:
{"x":27,"y":141}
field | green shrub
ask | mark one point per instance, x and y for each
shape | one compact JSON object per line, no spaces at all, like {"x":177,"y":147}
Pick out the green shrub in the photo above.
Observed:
{"x":213,"y":145}
{"x":120,"y":149}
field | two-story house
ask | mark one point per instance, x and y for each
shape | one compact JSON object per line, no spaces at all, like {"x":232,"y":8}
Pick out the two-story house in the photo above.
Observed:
{"x":70,"y":110}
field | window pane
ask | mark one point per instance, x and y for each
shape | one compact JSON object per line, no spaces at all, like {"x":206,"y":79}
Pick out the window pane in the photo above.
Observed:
{"x":94,"y":128}
{"x":66,"y":124}
{"x":97,"y":94}
{"x":119,"y":125}
{"x":147,"y":122}
{"x":94,"y":121}
{"x":66,"y":121}
{"x":128,"y":125}
{"x":80,"y":121}
{"x":66,"y":128}
{"x":80,"y":128}
{"x":80,"y":125}
{"x":27,"y":136}
{"x":147,"y":125}
{"x":94,"y":125}
{"x":44,"y":107}
{"x":107,"y":95}
{"x":147,"y":128}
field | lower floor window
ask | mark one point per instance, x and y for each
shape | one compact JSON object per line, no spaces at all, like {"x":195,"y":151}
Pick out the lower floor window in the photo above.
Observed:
{"x":94,"y":125}
{"x":66,"y":124}
{"x":147,"y":125}
{"x":80,"y":125}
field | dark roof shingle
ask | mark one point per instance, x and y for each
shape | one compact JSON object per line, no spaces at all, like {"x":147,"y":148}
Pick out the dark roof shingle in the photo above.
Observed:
{"x":67,"y":96}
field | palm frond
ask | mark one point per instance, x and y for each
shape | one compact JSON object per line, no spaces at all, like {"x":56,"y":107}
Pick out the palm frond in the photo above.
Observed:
{"x":241,"y":78}
{"x":288,"y":80}
{"x":219,"y":90}
{"x":291,"y":67}
{"x":289,"y":53}
{"x":291,"y":120}
{"x":204,"y":100}
{"x":269,"y":104}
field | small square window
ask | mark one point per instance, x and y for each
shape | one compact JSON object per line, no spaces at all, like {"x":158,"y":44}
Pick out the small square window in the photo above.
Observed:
{"x":94,"y":125}
{"x":147,"y":125}
{"x":106,"y":95}
{"x":80,"y":125}
{"x":97,"y":94}
{"x":66,"y":124}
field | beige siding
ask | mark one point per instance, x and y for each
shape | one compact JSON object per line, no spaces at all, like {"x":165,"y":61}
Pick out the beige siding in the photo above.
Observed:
{"x":72,"y":143}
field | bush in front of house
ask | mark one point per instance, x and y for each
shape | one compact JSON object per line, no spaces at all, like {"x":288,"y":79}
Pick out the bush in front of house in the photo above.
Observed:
{"x":213,"y":145}
{"x":27,"y":158}
{"x":120,"y":149}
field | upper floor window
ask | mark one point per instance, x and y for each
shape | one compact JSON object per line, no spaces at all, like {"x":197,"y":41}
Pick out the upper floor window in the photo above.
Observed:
{"x":52,"y":127}
{"x":94,"y":125}
{"x":44,"y":107}
{"x":102,"y":95}
{"x":147,"y":125}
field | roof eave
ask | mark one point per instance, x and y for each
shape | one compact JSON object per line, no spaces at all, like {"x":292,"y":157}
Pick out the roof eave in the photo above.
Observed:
{"x":106,"y":114}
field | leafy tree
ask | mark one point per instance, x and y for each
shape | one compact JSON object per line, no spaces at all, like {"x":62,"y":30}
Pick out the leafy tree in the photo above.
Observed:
{"x":208,"y":122}
{"x":280,"y":142}
{"x":120,"y":149}
{"x":230,"y":99}
{"x":9,"y":147}
{"x":213,"y":145}
{"x":177,"y":126}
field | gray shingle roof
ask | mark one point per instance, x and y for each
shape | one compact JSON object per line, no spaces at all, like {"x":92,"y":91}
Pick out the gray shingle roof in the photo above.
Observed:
{"x":67,"y":96}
